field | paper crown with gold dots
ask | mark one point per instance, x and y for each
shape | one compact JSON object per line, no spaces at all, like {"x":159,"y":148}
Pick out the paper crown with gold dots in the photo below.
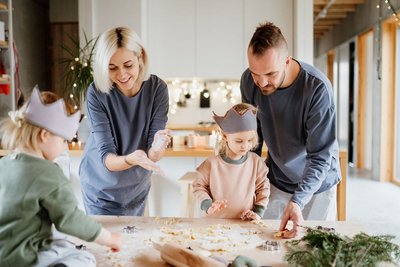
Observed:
{"x":52,"y":117}
{"x":233,"y":122}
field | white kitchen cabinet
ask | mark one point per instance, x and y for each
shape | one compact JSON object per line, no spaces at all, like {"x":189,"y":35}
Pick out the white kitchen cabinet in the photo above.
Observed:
{"x":196,"y":38}
{"x":209,"y":38}
{"x":171,"y":37}
{"x":219,"y":40}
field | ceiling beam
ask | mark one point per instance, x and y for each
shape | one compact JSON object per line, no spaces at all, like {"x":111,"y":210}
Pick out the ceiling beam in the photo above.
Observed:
{"x":335,"y":7}
{"x":325,"y":21}
{"x":329,"y":13}
{"x":324,"y":2}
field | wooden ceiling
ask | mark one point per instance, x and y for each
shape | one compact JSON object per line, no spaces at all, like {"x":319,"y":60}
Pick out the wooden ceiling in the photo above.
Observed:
{"x":328,"y":13}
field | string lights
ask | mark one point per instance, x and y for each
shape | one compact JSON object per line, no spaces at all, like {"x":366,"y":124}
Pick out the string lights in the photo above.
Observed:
{"x":391,"y":9}
{"x":189,"y":91}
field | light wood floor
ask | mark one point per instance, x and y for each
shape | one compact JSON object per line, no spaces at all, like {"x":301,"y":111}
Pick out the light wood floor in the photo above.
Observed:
{"x":373,"y":204}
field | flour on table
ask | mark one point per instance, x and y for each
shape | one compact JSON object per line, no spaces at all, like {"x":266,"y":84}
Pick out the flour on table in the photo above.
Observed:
{"x":218,"y":237}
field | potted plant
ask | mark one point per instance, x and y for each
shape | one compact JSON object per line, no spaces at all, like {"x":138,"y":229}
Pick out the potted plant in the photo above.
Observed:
{"x":78,"y":71}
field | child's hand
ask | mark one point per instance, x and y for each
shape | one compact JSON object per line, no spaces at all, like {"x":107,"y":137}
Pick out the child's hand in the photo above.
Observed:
{"x":115,"y":242}
{"x":217,"y":206}
{"x":110,"y":239}
{"x":249,"y":215}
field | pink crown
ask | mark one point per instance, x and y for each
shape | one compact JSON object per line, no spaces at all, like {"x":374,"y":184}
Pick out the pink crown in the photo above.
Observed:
{"x":233,"y":122}
{"x":52,"y":117}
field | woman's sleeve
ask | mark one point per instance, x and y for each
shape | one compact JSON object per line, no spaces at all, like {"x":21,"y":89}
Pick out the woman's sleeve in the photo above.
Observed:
{"x":159,"y":114}
{"x":99,"y":124}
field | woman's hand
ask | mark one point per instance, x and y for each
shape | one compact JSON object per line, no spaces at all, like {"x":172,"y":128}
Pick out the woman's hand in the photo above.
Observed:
{"x":249,"y":215}
{"x":161,"y":140}
{"x":139,"y":157}
{"x":160,"y":143}
{"x":217,"y":206}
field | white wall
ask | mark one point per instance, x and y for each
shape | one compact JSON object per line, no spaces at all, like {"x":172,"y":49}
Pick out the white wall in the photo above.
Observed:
{"x":397,"y":107}
{"x":342,"y":87}
{"x":97,"y":16}
{"x":369,"y":102}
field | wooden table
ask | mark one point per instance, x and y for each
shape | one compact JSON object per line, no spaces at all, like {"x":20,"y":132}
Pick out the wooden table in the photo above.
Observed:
{"x":138,"y":249}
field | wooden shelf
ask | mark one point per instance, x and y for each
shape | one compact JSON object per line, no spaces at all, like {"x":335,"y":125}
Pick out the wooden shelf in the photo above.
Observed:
{"x":193,"y":127}
{"x":3,"y":44}
{"x":3,"y":6}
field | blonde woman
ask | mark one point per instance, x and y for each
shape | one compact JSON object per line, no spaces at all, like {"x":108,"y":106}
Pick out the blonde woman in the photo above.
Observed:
{"x":234,"y":183}
{"x":35,"y":194}
{"x":127,"y":110}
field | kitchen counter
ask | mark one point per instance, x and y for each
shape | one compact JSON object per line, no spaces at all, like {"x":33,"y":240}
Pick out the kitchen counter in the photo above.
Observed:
{"x":138,"y":250}
{"x":205,"y":127}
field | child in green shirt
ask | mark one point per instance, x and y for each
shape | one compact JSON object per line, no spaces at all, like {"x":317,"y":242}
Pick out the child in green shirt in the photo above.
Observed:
{"x":35,"y":194}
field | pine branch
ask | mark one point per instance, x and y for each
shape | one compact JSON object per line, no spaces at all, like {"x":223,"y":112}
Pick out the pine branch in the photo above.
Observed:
{"x":322,"y":247}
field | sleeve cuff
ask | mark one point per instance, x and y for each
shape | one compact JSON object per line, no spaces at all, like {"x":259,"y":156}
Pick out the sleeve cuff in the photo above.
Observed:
{"x":205,"y":204}
{"x":259,"y":210}
{"x":297,"y":201}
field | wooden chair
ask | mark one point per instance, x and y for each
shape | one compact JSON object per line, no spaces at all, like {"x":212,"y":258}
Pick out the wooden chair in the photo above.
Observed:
{"x":341,"y":187}
{"x":188,"y":203}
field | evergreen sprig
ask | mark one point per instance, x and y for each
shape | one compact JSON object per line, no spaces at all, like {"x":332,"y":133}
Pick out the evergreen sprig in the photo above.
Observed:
{"x":321,"y":247}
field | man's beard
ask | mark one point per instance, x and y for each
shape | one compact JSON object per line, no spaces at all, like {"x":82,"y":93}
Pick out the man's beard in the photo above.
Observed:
{"x":274,"y":88}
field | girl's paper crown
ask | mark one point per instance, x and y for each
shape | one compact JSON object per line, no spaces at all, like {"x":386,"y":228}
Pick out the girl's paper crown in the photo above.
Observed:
{"x":52,"y":117}
{"x":233,"y":122}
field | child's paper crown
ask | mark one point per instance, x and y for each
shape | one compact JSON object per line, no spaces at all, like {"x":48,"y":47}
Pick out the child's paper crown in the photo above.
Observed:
{"x":233,"y":122}
{"x":52,"y":117}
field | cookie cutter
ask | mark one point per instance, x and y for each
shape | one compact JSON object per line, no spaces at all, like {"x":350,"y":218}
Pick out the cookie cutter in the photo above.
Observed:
{"x":130,"y":229}
{"x":80,"y":247}
{"x":271,"y":245}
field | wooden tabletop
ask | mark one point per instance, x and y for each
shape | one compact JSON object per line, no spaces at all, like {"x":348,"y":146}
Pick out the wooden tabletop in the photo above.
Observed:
{"x":138,"y":250}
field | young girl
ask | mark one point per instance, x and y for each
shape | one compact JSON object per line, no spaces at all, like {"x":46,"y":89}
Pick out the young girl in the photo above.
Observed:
{"x":234,"y":183}
{"x":34,"y":193}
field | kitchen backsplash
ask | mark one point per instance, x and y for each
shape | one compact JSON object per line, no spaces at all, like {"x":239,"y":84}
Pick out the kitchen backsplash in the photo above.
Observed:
{"x":194,"y":100}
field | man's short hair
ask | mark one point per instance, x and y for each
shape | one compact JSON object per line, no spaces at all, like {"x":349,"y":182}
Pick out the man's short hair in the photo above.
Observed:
{"x":267,"y":36}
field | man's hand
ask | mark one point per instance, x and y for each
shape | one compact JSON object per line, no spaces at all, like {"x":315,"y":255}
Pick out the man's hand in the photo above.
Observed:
{"x":292,"y":213}
{"x":217,"y":206}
